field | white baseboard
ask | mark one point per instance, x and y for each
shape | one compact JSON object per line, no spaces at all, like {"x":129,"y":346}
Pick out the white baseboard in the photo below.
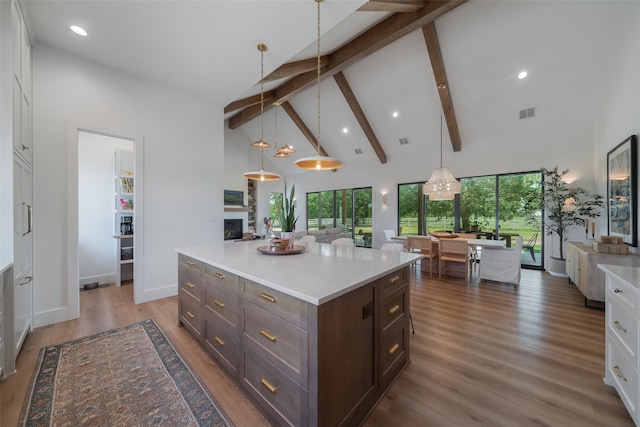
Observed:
{"x":50,"y":317}
{"x":101,"y":279}
{"x":159,"y":293}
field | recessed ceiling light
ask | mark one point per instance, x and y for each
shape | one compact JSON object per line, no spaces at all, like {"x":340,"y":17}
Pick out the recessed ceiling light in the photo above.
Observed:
{"x":395,"y":114}
{"x":345,"y":130}
{"x":522,"y":75}
{"x":78,"y":30}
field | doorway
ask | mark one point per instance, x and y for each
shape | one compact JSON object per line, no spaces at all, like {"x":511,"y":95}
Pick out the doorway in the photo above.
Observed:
{"x":78,"y":135}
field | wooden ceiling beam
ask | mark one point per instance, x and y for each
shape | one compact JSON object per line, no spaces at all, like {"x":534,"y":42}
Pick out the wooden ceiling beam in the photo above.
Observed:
{"x":292,"y":69}
{"x":302,"y":126}
{"x":249,"y":101}
{"x":391,"y":29}
{"x":351,"y":99}
{"x":391,"y":6}
{"x":433,"y":47}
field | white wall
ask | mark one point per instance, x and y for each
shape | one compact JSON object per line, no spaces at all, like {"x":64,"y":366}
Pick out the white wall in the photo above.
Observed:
{"x":236,"y":144}
{"x":183,"y":169}
{"x":97,"y":257}
{"x":620,"y":115}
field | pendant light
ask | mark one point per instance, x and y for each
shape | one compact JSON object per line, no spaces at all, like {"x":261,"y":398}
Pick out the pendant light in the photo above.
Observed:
{"x":285,"y":150}
{"x":261,"y":175}
{"x":318,"y":162}
{"x":442,"y":185}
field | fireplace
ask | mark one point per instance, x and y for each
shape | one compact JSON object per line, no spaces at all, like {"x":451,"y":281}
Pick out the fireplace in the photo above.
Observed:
{"x":232,"y":229}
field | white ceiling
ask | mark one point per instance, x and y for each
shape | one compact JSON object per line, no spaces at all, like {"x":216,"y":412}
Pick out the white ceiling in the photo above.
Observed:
{"x":208,"y":49}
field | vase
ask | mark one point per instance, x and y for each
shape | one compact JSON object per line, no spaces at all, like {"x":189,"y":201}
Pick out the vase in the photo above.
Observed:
{"x":291,"y":235}
{"x":557,"y":267}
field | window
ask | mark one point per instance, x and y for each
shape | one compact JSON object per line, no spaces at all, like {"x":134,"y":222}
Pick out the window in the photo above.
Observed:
{"x":275,"y":204}
{"x":350,"y":209}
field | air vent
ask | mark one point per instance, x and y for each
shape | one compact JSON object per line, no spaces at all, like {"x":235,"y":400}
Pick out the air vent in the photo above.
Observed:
{"x":403,"y":141}
{"x":358,"y":151}
{"x":526,"y":113}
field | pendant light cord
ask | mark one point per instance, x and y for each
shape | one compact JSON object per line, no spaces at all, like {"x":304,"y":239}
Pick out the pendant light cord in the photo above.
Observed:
{"x":440,"y":139}
{"x":318,"y":45}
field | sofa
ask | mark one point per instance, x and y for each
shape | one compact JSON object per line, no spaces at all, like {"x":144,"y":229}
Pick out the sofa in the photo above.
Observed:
{"x":326,"y":235}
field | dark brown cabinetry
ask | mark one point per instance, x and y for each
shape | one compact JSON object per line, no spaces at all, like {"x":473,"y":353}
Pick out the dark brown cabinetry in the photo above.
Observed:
{"x":304,"y":365}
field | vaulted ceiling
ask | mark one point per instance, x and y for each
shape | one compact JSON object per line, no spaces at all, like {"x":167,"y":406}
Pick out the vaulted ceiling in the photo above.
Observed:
{"x":416,"y":58}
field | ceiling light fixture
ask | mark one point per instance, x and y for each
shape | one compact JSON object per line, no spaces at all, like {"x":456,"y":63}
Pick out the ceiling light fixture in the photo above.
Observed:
{"x":78,"y":30}
{"x":522,"y":75}
{"x":395,"y":114}
{"x":442,"y":185}
{"x":318,"y":162}
{"x":261,"y":143}
{"x":261,"y":175}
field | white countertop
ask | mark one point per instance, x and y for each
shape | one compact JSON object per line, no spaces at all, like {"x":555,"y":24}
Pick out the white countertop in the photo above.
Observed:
{"x":629,"y":275}
{"x":319,"y":274}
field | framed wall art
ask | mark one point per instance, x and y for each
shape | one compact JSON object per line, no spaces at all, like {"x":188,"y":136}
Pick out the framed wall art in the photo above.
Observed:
{"x":622,"y":196}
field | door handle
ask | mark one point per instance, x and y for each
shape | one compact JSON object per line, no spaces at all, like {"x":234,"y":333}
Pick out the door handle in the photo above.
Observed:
{"x":26,"y":280}
{"x":29,"y":219}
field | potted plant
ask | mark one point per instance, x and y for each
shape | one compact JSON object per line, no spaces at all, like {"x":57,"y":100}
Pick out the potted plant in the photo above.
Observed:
{"x":286,"y":212}
{"x":564,"y":207}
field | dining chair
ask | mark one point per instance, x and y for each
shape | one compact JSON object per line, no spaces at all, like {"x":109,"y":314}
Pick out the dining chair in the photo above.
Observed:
{"x":502,"y":264}
{"x":474,"y":252}
{"x":454,"y":251}
{"x":530,"y":245}
{"x":389,"y":234}
{"x":399,"y":247}
{"x":427,"y":247}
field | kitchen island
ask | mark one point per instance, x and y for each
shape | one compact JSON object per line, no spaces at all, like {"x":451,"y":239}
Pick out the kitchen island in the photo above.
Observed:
{"x":315,"y":338}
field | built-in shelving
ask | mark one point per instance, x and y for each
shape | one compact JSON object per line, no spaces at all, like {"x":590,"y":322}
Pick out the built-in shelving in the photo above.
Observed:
{"x":124,"y":213}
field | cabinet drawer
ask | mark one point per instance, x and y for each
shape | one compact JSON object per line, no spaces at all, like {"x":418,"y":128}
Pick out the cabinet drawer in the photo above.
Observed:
{"x":622,"y":292}
{"x":190,"y":282}
{"x":222,"y":278}
{"x":393,"y":308}
{"x":625,"y":377}
{"x":222,"y":302}
{"x":280,"y":342}
{"x":282,"y":397}
{"x":190,"y":314}
{"x":391,"y":282}
{"x":285,"y":306}
{"x":222,"y":343}
{"x":191,"y":263}
{"x":394,"y":352}
{"x":624,"y":327}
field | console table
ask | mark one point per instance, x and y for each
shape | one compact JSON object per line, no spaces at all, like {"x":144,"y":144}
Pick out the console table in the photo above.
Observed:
{"x":315,"y":338}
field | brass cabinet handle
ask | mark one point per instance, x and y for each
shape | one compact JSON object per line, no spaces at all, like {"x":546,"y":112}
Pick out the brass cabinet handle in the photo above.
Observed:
{"x":268,"y":297}
{"x":219,"y":276}
{"x":394,"y":279}
{"x":269,"y":386}
{"x":191,"y":263}
{"x":617,"y":291}
{"x":394,"y":348}
{"x":191,"y":285}
{"x":219,"y":341}
{"x":619,"y":373}
{"x":619,"y":326}
{"x":394,"y":309}
{"x":268,"y":335}
{"x":190,"y":314}
{"x":218,"y":303}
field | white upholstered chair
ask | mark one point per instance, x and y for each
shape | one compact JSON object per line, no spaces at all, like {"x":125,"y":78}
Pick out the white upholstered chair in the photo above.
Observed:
{"x":304,"y":240}
{"x":502,"y":264}
{"x":392,"y":247}
{"x":346,"y":241}
{"x":388,"y":234}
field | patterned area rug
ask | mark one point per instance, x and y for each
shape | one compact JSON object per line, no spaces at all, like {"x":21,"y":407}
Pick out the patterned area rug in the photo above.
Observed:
{"x":130,"y":376}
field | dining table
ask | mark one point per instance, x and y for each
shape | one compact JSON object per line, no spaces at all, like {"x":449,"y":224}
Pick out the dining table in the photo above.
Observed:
{"x":491,"y":235}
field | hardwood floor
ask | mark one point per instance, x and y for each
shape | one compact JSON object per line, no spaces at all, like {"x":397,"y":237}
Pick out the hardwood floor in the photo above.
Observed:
{"x":484,"y":354}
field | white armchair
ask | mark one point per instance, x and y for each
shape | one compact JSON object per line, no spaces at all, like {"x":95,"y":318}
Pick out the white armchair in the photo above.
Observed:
{"x":502,"y":264}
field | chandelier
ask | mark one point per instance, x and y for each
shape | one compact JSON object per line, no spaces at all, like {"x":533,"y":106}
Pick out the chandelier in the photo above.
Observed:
{"x":442,"y":185}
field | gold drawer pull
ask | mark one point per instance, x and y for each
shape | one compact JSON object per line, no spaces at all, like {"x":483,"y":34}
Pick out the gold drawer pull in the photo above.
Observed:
{"x":268,"y":297}
{"x":269,"y":386}
{"x":394,"y":309}
{"x":619,"y":326}
{"x":218,"y":303}
{"x":395,"y":348}
{"x":268,"y":335}
{"x":619,"y":373}
{"x":219,"y":276}
{"x":394,"y":279}
{"x":191,"y":285}
{"x":219,"y":341}
{"x":190,"y":263}
{"x":190,"y":314}
{"x":617,"y":291}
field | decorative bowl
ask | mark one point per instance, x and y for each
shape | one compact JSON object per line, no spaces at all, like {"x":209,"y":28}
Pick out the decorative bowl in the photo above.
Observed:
{"x":444,"y":235}
{"x":282,"y":243}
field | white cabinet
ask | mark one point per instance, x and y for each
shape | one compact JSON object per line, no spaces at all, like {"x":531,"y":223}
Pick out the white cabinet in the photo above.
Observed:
{"x":124,"y":184}
{"x":22,"y":108}
{"x":622,"y":334}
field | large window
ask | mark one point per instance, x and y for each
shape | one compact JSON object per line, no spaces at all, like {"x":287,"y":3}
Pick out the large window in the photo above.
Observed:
{"x":350,"y":209}
{"x":275,"y":205}
{"x":490,"y":206}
